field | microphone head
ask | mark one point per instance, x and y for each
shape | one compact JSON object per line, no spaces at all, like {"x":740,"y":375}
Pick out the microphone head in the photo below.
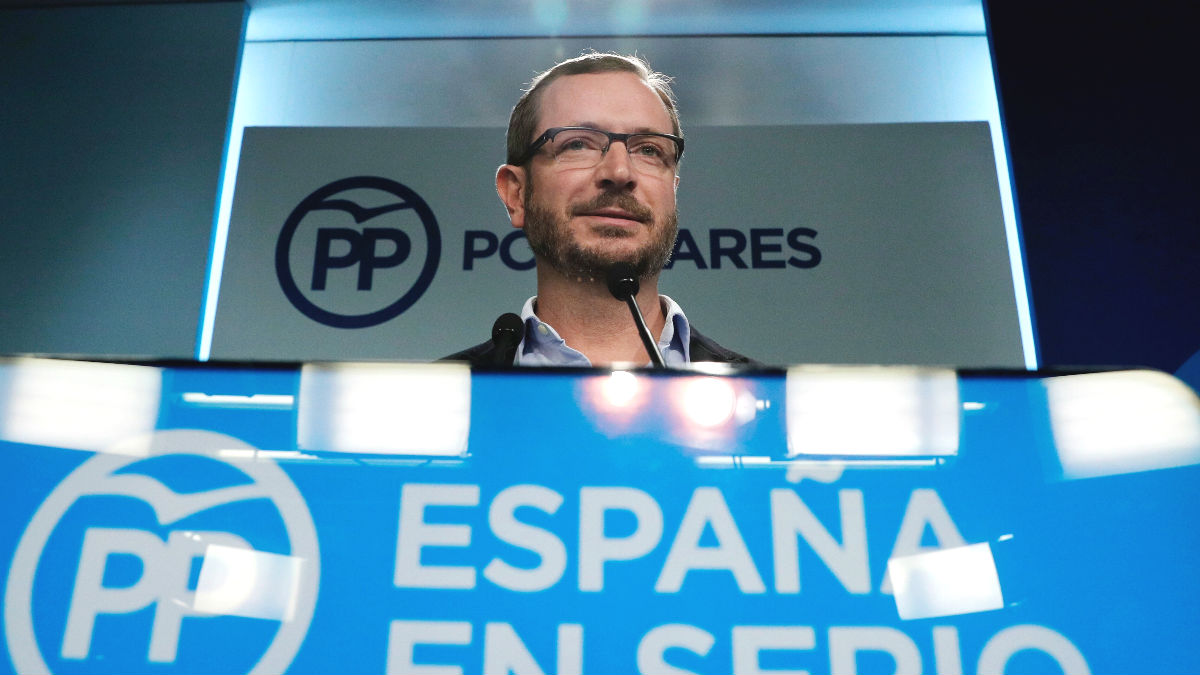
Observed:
{"x":622,"y":281}
{"x":508,"y":330}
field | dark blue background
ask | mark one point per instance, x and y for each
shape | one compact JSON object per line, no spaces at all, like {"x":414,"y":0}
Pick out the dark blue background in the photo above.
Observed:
{"x":1098,"y":102}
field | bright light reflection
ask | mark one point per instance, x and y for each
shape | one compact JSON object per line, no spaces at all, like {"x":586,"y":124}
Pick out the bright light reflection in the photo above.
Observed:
{"x":255,"y":453}
{"x":707,"y":401}
{"x":76,"y":404}
{"x":946,"y":582}
{"x":734,"y":461}
{"x":823,"y":471}
{"x":1122,"y":422}
{"x":616,"y":401}
{"x":620,"y":389}
{"x":711,"y":413}
{"x":872,"y":410}
{"x":409,"y":409}
{"x":241,"y":582}
{"x":275,"y":401}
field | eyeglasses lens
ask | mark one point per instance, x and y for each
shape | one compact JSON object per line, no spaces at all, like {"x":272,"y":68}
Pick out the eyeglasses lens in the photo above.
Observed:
{"x":585,"y":148}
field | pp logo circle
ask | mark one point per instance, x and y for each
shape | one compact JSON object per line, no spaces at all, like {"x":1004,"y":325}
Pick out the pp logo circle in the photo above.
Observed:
{"x":358,"y":252}
{"x":176,"y":559}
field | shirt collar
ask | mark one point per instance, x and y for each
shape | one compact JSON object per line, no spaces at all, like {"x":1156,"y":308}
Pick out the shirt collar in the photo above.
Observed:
{"x":542,"y":345}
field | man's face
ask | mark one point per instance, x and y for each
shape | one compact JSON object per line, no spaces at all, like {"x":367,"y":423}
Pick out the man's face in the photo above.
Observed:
{"x":581,"y":221}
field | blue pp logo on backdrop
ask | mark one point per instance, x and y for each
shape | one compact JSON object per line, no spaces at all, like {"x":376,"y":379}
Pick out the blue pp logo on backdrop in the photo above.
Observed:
{"x":358,"y":252}
{"x":189,"y":561}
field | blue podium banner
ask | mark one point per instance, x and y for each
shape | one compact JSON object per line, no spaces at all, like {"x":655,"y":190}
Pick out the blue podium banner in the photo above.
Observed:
{"x":374,"y":518}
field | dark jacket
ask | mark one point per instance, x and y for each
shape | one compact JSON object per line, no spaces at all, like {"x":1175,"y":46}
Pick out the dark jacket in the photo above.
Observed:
{"x":701,"y":348}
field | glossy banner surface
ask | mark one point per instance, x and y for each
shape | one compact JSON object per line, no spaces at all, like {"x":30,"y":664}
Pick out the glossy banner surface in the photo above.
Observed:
{"x":425,"y":519}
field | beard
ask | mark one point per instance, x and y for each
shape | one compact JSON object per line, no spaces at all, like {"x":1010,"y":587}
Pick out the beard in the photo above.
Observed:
{"x":552,"y":241}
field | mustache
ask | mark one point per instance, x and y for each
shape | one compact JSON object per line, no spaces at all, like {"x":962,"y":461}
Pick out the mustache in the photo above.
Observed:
{"x":620,"y":200}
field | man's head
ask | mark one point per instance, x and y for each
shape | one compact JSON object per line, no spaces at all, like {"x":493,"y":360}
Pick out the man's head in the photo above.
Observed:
{"x":618,"y":206}
{"x":523,"y":123}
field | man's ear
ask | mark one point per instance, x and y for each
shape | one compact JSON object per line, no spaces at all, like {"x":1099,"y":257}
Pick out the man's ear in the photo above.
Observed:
{"x":511,"y":183}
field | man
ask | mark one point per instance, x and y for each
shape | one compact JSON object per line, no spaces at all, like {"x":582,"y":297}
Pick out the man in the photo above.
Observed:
{"x":593,"y":165}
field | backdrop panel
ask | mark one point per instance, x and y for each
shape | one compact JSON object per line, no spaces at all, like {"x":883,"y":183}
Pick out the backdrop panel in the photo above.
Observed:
{"x":833,"y":243}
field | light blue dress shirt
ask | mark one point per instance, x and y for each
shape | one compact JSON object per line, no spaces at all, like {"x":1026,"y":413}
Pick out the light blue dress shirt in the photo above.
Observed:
{"x":542,"y":346}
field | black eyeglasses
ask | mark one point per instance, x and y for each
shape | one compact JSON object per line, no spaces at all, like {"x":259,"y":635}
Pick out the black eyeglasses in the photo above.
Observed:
{"x":584,"y":148}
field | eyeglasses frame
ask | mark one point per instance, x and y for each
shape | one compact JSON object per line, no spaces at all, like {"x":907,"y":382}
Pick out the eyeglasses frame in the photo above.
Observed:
{"x":550,"y":133}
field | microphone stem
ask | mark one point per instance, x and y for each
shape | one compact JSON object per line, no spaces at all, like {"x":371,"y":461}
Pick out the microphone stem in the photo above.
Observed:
{"x":651,"y":349}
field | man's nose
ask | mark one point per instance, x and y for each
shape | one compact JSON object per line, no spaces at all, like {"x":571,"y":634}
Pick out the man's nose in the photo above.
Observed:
{"x":615,"y":169}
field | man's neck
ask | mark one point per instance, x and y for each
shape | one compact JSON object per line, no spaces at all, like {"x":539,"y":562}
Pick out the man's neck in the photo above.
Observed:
{"x":595,"y":323}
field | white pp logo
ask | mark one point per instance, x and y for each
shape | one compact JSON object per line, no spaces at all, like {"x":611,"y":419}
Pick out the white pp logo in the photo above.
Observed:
{"x":136,"y":526}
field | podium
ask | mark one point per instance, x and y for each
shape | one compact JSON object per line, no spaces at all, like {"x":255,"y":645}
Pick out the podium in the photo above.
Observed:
{"x":426,"y":518}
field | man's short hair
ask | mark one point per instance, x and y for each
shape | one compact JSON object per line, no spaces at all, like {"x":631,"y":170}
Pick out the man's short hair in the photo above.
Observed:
{"x":521,"y":125}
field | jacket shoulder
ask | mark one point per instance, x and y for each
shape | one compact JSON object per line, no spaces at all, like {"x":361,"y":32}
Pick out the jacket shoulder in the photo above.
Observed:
{"x":702,"y":348}
{"x":480,"y":354}
{"x":706,"y":349}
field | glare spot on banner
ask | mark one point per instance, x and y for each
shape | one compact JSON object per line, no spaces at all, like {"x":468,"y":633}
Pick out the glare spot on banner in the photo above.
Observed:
{"x":240,"y":582}
{"x":951,"y":581}
{"x":708,"y":401}
{"x":699,"y":412}
{"x":1122,"y":422}
{"x":621,"y":389}
{"x":406,"y":409}
{"x":105,"y":403}
{"x":872,"y":411}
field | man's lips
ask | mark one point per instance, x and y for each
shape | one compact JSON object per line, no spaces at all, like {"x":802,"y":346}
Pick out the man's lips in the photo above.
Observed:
{"x":616,"y":209}
{"x":613,"y":214}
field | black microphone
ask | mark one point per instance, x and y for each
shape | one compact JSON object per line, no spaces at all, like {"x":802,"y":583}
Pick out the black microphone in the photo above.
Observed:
{"x":623,"y":284}
{"x":507,"y":333}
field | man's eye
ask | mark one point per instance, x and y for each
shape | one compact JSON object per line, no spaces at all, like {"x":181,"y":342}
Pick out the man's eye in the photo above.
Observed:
{"x":577,"y":144}
{"x":649,"y":150}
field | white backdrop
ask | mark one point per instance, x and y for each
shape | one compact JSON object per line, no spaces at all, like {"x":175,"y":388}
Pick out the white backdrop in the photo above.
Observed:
{"x":819,"y":243}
